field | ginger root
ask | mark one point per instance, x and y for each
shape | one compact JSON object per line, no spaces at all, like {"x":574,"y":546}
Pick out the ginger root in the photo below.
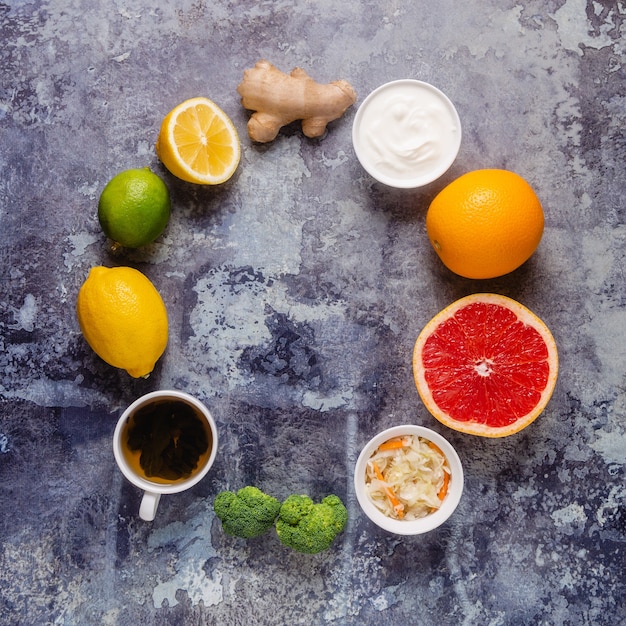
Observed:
{"x":279,"y":99}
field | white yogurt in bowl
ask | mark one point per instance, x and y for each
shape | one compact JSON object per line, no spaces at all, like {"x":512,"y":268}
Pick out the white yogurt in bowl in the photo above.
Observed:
{"x":406,"y":133}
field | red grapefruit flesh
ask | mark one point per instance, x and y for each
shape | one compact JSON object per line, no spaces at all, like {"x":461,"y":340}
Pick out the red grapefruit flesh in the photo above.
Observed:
{"x":485,"y":365}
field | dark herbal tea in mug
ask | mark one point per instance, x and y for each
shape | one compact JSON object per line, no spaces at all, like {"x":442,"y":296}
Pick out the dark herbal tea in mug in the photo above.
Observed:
{"x":166,"y":441}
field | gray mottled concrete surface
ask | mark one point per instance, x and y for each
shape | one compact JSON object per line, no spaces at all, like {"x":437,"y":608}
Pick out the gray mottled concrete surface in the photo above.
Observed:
{"x":295,"y":294}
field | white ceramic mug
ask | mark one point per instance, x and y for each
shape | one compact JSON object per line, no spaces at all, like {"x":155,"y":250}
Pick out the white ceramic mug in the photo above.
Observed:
{"x":153,"y":487}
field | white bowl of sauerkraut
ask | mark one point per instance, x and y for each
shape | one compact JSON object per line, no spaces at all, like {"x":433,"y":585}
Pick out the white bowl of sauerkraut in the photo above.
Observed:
{"x":408,"y":480}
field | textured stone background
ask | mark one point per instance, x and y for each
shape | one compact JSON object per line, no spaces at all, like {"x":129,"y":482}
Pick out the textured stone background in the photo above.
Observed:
{"x":295,"y":293}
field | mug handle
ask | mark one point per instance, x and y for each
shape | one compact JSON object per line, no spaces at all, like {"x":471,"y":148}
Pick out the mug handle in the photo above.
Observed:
{"x":149,"y":504}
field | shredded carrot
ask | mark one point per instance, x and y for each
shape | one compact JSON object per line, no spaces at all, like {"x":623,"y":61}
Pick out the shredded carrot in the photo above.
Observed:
{"x":444,"y":488}
{"x":398,"y":507}
{"x":393,"y":444}
{"x":436,"y":448}
{"x":446,"y":476}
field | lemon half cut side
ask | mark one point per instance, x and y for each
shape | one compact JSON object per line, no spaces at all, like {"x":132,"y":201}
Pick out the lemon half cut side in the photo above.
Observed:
{"x":198,"y":143}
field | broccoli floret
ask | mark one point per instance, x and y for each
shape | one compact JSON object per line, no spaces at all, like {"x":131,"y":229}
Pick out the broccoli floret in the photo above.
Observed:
{"x":247,"y":513}
{"x":308,"y":527}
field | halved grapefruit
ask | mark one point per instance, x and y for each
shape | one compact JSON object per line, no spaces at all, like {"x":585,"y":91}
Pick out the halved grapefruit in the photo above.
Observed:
{"x":485,"y":365}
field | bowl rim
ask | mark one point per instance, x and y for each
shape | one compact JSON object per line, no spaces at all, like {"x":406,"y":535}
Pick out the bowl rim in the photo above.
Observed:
{"x":401,"y":183}
{"x":425,"y":524}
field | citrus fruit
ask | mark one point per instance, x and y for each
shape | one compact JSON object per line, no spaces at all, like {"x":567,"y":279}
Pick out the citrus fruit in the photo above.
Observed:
{"x":485,"y":223}
{"x":123,"y":318}
{"x":198,"y":143}
{"x":485,"y":365}
{"x":134,"y":208}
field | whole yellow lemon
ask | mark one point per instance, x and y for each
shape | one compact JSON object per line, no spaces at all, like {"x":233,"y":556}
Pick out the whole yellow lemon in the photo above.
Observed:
{"x":123,"y":318}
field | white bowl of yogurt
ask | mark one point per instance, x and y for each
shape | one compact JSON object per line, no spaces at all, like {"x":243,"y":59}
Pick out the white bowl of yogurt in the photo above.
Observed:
{"x":406,"y":133}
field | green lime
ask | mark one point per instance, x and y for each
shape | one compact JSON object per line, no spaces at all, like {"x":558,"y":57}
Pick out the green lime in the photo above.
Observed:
{"x":134,"y":208}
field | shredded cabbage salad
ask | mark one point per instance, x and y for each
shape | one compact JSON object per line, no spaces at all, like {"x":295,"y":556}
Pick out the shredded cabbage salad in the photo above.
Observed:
{"x":407,"y":477}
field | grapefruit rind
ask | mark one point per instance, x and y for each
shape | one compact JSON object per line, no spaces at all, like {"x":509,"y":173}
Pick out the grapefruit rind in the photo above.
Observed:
{"x":472,"y":427}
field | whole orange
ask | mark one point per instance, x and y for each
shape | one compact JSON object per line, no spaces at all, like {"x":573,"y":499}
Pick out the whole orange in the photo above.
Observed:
{"x":485,"y":223}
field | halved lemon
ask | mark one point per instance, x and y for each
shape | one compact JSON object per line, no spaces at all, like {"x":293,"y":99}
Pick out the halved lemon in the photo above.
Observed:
{"x":198,"y":143}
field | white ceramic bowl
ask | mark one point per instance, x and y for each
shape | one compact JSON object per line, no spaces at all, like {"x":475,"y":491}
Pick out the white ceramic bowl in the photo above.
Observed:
{"x":406,"y":133}
{"x":425,"y":524}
